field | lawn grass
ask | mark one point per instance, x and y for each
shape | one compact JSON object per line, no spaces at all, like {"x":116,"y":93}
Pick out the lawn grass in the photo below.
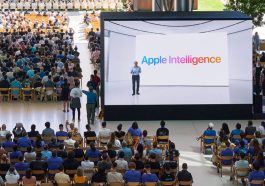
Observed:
{"x":210,"y":5}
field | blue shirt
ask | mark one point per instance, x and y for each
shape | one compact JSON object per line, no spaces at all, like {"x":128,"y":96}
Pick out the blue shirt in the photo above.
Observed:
{"x":91,"y":96}
{"x":136,"y":70}
{"x":132,"y":176}
{"x":149,"y":178}
{"x":135,"y":132}
{"x":54,"y":163}
{"x":30,"y":73}
{"x":157,"y":152}
{"x":24,"y":142}
{"x":256,"y":175}
{"x":8,"y":144}
{"x":209,"y":132}
{"x":21,"y":166}
{"x":61,"y":133}
{"x":46,"y":154}
{"x":127,"y":152}
{"x":15,"y":154}
{"x":227,"y":152}
{"x":237,"y":150}
{"x":93,"y":154}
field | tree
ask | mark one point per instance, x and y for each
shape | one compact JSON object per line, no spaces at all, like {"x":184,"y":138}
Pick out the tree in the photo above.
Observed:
{"x":253,"y":8}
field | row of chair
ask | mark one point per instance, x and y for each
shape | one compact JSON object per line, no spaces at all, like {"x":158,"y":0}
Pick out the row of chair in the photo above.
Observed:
{"x":30,"y":93}
{"x":62,"y":5}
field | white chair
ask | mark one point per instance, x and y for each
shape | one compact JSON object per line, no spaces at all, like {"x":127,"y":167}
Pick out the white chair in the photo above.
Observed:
{"x":84,"y":5}
{"x":77,"y":5}
{"x":105,"y":5}
{"x":41,"y":6}
{"x":91,"y":5}
{"x":70,"y":6}
{"x":27,"y":5}
{"x":62,"y":5}
{"x":55,"y":5}
{"x":48,"y":5}
{"x":13,"y":6}
{"x":98,"y":5}
{"x":5,"y":5}
{"x":34,"y":6}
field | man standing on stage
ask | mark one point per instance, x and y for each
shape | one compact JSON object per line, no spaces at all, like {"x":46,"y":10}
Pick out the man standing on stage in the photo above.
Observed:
{"x":136,"y":70}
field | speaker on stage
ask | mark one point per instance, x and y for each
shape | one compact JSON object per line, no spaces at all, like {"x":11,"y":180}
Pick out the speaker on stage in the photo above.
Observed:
{"x":257,"y":104}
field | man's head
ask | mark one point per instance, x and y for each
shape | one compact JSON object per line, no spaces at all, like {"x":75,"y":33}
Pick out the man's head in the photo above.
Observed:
{"x":250,"y":123}
{"x":147,"y":167}
{"x":210,"y":125}
{"x":88,"y":128}
{"x":114,"y":166}
{"x":95,"y":72}
{"x":144,"y":133}
{"x":38,"y":156}
{"x":54,"y":153}
{"x":61,"y":127}
{"x":69,"y":135}
{"x":4,"y":127}
{"x":104,"y":124}
{"x":162,"y":123}
{"x":124,"y":144}
{"x":47,"y":124}
{"x":121,"y":154}
{"x":90,"y":88}
{"x":33,"y":127}
{"x":184,"y":166}
{"x":132,"y":166}
{"x":242,"y":155}
{"x":136,"y":63}
{"x":256,"y":166}
{"x":60,"y":168}
{"x":238,"y":126}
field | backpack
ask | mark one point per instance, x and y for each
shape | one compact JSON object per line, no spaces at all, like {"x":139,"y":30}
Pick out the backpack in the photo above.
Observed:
{"x":128,"y":138}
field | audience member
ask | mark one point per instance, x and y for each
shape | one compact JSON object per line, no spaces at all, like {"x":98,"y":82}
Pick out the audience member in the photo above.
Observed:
{"x":61,"y":177}
{"x":209,"y":132}
{"x":115,"y":143}
{"x":71,"y":163}
{"x":21,"y":165}
{"x":61,"y":152}
{"x":148,"y":176}
{"x":48,"y":131}
{"x":15,"y":154}
{"x":250,"y":130}
{"x":105,"y":163}
{"x":111,"y":153}
{"x":242,"y":164}
{"x":134,"y":130}
{"x":12,"y":176}
{"x":18,"y":130}
{"x":61,"y":132}
{"x":237,"y":132}
{"x":128,"y":153}
{"x":113,"y":176}
{"x":33,"y":132}
{"x":38,"y":164}
{"x":28,"y":178}
{"x":184,"y":174}
{"x":89,"y":133}
{"x":69,"y":142}
{"x":3,"y":131}
{"x":29,"y":155}
{"x":8,"y":143}
{"x":46,"y":153}
{"x":256,"y":174}
{"x":99,"y":177}
{"x":79,"y":152}
{"x":162,"y":131}
{"x":54,"y":162}
{"x":104,"y":133}
{"x":121,"y":163}
{"x":119,"y":133}
{"x":167,"y":176}
{"x":132,"y":175}
{"x":79,"y":178}
{"x":86,"y":164}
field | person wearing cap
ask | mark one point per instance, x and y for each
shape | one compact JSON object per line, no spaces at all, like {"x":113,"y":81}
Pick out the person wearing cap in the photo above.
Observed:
{"x":184,"y":174}
{"x":209,"y":132}
{"x":91,"y":104}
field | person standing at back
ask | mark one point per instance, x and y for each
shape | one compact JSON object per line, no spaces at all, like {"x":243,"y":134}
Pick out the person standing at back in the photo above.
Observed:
{"x":91,"y":104}
{"x":75,"y":95}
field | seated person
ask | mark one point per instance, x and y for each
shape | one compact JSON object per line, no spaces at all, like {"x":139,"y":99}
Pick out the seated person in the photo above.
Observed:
{"x":121,"y":163}
{"x":92,"y":152}
{"x":33,"y":132}
{"x":89,"y":133}
{"x":127,"y":151}
{"x":79,"y":152}
{"x":111,"y":153}
{"x":61,"y":177}
{"x":162,"y":131}
{"x":104,"y":133}
{"x":24,"y":141}
{"x":184,"y":174}
{"x":4,"y":164}
{"x":53,"y":144}
{"x":99,"y":177}
{"x":155,"y":150}
{"x":105,"y":163}
{"x":46,"y":153}
{"x":70,"y":163}
{"x":250,"y":129}
{"x":153,"y":162}
{"x":69,"y":142}
{"x":79,"y":178}
{"x":119,"y":134}
{"x":28,"y":178}
{"x":236,"y":131}
{"x":256,"y":174}
{"x":172,"y":153}
{"x":18,"y":130}
{"x":227,"y":152}
{"x":61,"y":152}
{"x":240,"y":148}
{"x":8,"y":143}
{"x":262,"y":58}
{"x":21,"y":165}
{"x":139,"y":163}
{"x":15,"y":154}
{"x":134,"y":130}
{"x":39,"y":142}
{"x":260,"y":160}
{"x":132,"y":175}
{"x":54,"y":162}
{"x":113,"y":176}
{"x":87,"y":164}
{"x":38,"y":164}
{"x":115,"y":143}
{"x":167,"y":175}
{"x":254,"y":147}
{"x":29,"y":155}
{"x":12,"y":176}
{"x":148,"y":176}
{"x":3,"y":131}
{"x":61,"y":132}
{"x":242,"y":163}
{"x":209,"y":132}
{"x":48,"y":131}
{"x":145,"y":140}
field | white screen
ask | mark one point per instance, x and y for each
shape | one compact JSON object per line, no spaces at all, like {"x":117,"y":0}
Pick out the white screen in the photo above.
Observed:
{"x":226,"y":82}
{"x":192,"y":59}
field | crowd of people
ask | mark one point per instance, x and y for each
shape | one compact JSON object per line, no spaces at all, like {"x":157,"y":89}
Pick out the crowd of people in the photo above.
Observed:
{"x":110,"y":156}
{"x":238,"y":148}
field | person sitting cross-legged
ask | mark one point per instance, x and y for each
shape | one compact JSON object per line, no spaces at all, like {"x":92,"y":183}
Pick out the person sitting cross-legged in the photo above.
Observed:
{"x":148,"y":176}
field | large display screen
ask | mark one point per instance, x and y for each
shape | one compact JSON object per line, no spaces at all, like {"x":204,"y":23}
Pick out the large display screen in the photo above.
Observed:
{"x":179,"y":62}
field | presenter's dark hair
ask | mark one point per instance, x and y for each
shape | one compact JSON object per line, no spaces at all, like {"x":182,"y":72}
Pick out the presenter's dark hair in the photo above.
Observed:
{"x":119,"y":127}
{"x":135,"y":125}
{"x":238,"y":126}
{"x":162,"y":123}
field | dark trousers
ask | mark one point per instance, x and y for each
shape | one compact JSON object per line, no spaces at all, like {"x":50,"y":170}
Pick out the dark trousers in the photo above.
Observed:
{"x":90,"y":109}
{"x":78,"y":112}
{"x":135,"y":80}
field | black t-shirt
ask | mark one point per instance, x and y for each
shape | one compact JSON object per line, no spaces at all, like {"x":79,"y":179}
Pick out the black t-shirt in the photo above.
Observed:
{"x":119,"y":134}
{"x":89,"y":134}
{"x":139,"y":165}
{"x":162,"y":132}
{"x":4,"y":167}
{"x":70,"y":164}
{"x":33,"y":133}
{"x":112,"y":153}
{"x":167,"y":177}
{"x":184,"y":175}
{"x":154,"y":165}
{"x":62,"y":154}
{"x":79,"y":153}
{"x":99,"y":177}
